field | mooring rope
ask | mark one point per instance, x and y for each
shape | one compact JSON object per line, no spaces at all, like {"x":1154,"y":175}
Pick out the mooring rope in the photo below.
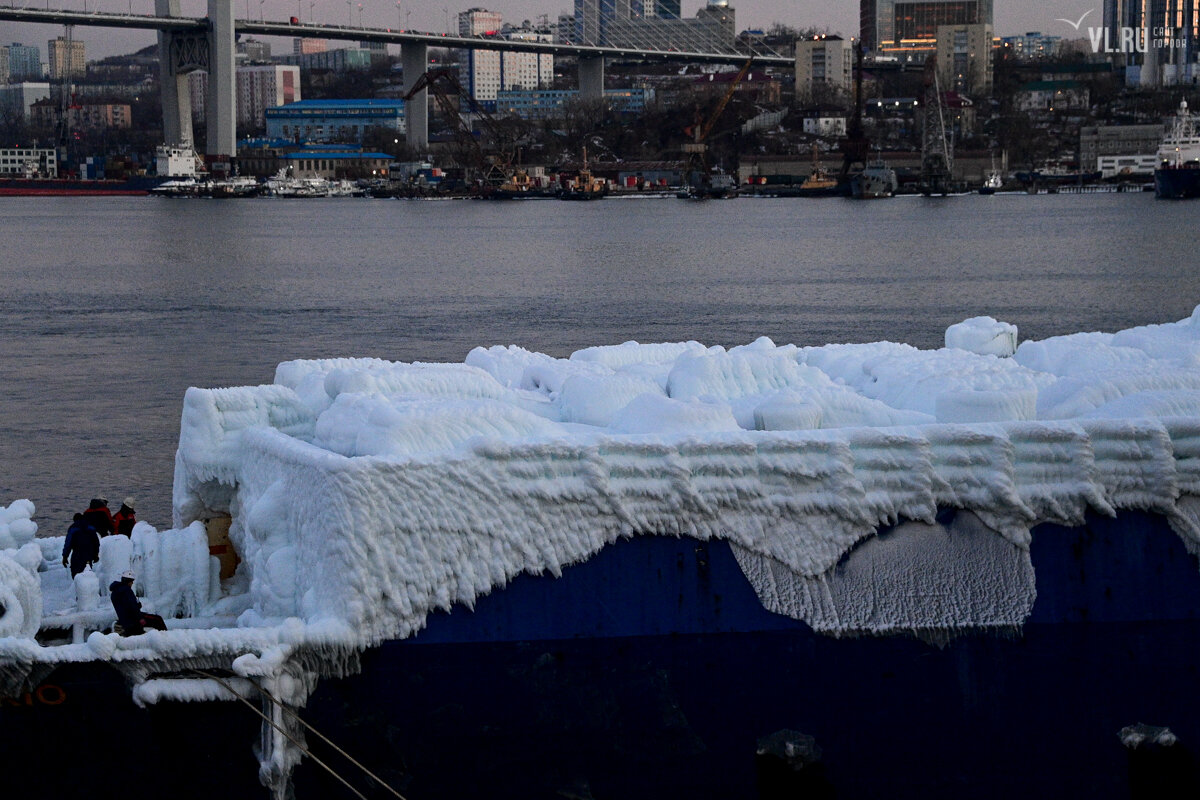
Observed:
{"x":325,"y":739}
{"x":273,"y":724}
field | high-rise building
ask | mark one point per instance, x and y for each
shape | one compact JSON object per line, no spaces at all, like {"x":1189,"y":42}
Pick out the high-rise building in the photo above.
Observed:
{"x":258,"y":88}
{"x":908,"y":28}
{"x":478,"y":21}
{"x":378,"y":50}
{"x":481,"y":69}
{"x":1158,"y":40}
{"x":66,"y":58}
{"x":663,"y":9}
{"x":24,"y":62}
{"x":964,"y":59}
{"x":302,"y":47}
{"x":254,"y":50}
{"x":3,"y":65}
{"x":564,"y":31}
{"x":486,"y":72}
{"x":18,"y":98}
{"x":823,"y":61}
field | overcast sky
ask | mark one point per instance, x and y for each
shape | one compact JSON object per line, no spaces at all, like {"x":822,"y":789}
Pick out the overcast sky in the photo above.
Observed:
{"x":1012,"y":16}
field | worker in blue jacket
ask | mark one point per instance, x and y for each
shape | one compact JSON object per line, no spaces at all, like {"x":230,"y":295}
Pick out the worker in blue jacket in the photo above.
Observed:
{"x":130,"y":616}
{"x":82,"y":546}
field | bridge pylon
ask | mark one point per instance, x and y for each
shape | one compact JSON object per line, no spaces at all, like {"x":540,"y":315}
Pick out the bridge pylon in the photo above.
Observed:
{"x":213,"y":52}
{"x":414,"y":58}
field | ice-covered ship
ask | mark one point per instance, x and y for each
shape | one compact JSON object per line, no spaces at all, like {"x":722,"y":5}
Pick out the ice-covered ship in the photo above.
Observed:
{"x":646,"y":571}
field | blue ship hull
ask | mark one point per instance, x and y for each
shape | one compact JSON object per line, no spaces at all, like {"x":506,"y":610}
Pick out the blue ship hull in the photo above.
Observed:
{"x":1181,"y":183}
{"x":653,"y":671}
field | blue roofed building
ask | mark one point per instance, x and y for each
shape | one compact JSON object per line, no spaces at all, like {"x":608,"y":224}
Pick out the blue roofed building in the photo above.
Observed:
{"x":334,"y":120}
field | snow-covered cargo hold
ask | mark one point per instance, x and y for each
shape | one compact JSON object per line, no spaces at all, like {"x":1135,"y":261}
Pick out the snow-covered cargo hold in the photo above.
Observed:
{"x":658,"y":570}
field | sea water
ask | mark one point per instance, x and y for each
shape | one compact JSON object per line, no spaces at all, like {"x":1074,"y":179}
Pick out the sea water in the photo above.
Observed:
{"x":111,"y":307}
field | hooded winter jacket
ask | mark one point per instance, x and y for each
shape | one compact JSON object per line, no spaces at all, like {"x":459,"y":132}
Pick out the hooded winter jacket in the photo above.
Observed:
{"x":129,"y":610}
{"x":82,"y":546}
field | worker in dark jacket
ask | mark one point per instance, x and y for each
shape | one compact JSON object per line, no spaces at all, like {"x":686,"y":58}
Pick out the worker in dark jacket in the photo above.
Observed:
{"x":130,"y":616}
{"x":125,"y":519}
{"x":82,"y":546}
{"x":99,"y":516}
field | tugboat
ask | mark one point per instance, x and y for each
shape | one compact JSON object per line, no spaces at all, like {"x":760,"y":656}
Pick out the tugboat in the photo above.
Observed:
{"x":1178,"y":174}
{"x":585,"y":186}
{"x":518,"y":186}
{"x":819,"y":183}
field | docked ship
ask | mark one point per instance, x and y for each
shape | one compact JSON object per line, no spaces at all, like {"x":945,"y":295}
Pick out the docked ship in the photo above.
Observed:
{"x":1177,"y":176}
{"x":50,"y":187}
{"x":710,"y":184}
{"x":172,"y":163}
{"x":876,"y":180}
{"x":862,"y":570}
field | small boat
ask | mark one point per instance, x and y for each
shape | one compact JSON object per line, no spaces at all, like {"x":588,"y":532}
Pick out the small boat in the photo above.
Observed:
{"x":237,"y":186}
{"x":991,"y":183}
{"x":180,"y":187}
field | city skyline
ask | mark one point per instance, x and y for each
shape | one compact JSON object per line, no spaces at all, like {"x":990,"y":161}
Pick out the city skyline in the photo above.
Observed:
{"x":1017,"y":16}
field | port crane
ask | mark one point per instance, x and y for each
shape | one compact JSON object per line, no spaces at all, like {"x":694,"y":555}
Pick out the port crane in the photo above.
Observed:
{"x":447,"y":92}
{"x":698,"y":171}
{"x":855,"y":146}
{"x":937,"y":151}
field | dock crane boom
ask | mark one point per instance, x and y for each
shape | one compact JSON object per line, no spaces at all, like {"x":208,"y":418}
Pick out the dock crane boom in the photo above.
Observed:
{"x":698,"y":170}
{"x":443,"y":84}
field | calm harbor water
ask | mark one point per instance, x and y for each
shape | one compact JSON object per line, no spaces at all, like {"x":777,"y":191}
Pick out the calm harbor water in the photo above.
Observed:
{"x":111,"y":307}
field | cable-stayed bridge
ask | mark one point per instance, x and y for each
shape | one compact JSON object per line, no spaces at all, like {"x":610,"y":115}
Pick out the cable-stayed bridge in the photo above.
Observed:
{"x":188,"y":44}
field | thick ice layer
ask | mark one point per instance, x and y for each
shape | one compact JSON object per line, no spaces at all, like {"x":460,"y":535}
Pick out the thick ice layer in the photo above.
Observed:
{"x":367,"y":493}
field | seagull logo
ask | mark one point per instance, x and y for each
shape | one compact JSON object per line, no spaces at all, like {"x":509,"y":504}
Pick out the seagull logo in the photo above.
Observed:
{"x":1075,"y":25}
